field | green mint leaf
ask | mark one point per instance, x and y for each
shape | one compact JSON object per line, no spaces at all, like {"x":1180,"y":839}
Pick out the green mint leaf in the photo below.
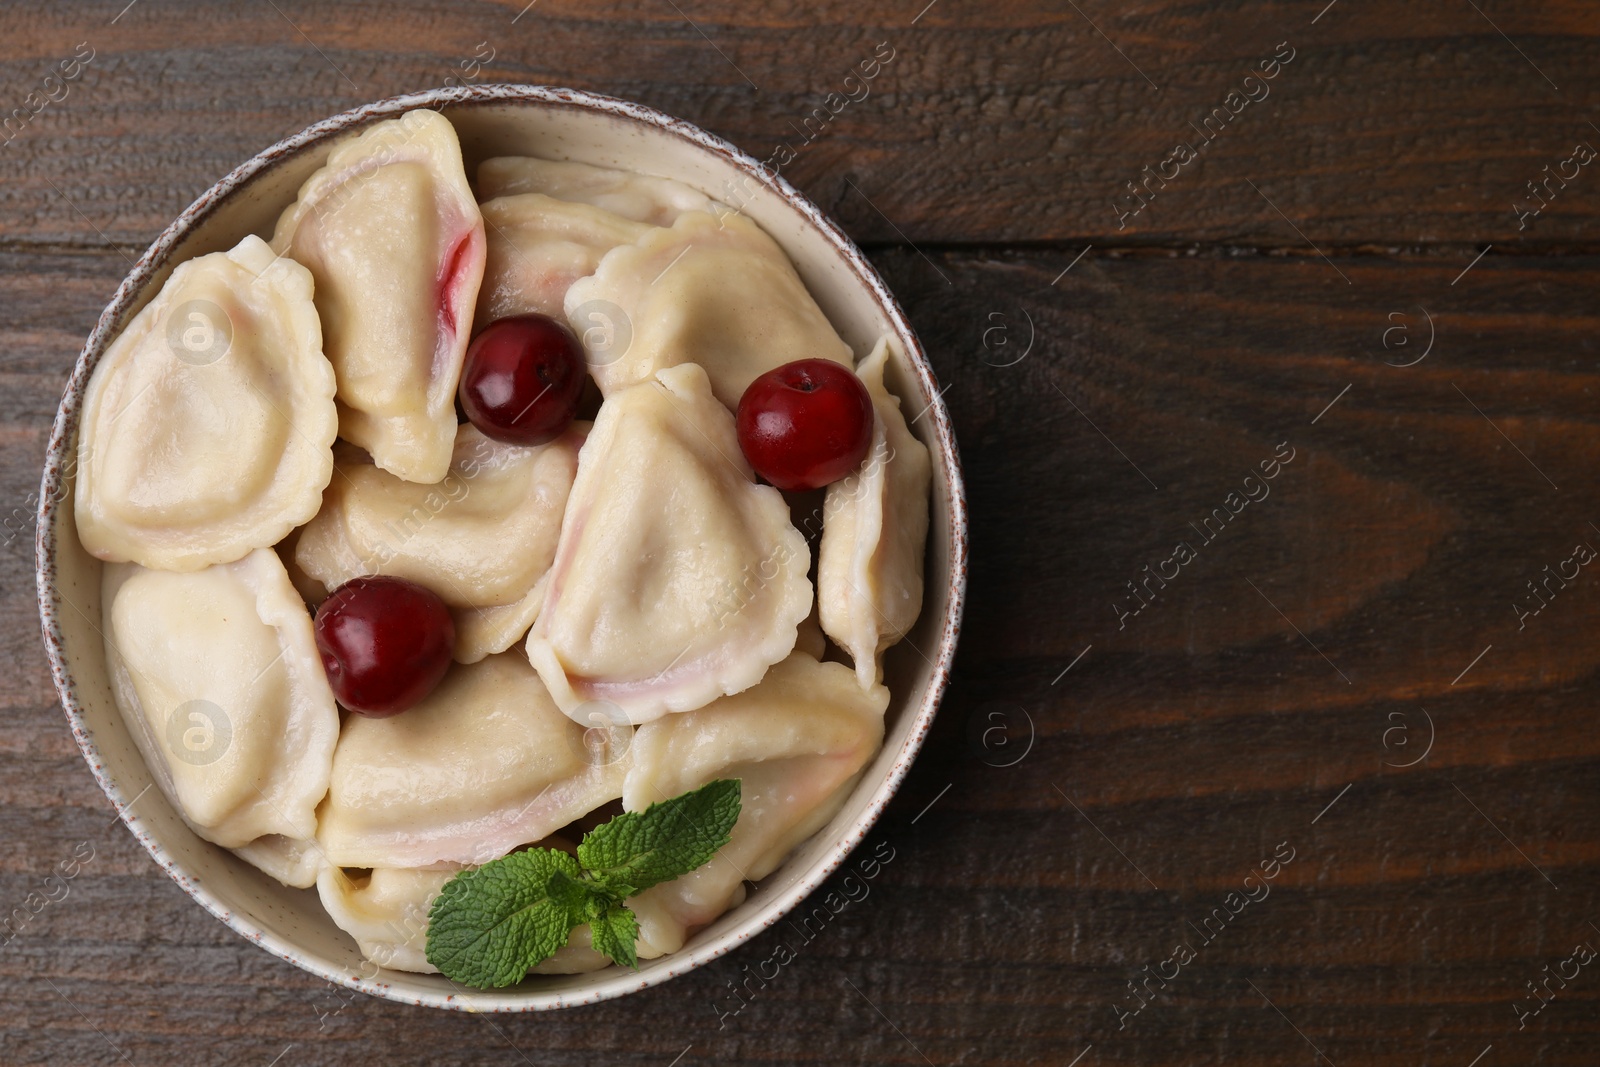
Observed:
{"x":581,"y":898}
{"x":614,"y":932}
{"x":639,"y":849}
{"x":490,"y":926}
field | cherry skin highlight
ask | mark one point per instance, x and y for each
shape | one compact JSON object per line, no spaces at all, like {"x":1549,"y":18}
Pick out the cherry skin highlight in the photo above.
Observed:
{"x":522,"y":379}
{"x":805,"y":424}
{"x":385,"y":643}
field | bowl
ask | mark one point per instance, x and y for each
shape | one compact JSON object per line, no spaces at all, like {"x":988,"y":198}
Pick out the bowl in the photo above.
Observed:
{"x":499,"y":120}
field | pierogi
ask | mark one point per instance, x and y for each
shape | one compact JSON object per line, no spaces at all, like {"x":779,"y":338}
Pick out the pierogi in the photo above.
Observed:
{"x":712,"y":291}
{"x":869,"y":566}
{"x":208,"y":425}
{"x":217,"y":676}
{"x":640,"y":197}
{"x":483,"y":538}
{"x":677,"y":578}
{"x":796,"y":743}
{"x":539,"y":246}
{"x":391,"y":233}
{"x":633,"y":608}
{"x":487,"y":762}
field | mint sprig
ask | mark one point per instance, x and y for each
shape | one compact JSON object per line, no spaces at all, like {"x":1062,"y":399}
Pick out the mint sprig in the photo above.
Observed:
{"x":489,"y":926}
{"x":637,"y":850}
{"x":486,"y":924}
{"x":615,"y":932}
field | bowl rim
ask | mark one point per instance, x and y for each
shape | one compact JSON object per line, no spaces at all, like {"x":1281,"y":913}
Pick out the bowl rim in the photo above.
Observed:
{"x":60,"y":456}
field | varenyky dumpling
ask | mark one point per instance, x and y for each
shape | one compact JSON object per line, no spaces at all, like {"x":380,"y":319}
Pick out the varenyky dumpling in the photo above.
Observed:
{"x":797,"y":742}
{"x":677,"y":578}
{"x":539,"y":246}
{"x":390,"y":231}
{"x":874,"y":531}
{"x":217,"y":675}
{"x":386,"y":910}
{"x":311,"y":591}
{"x":481,"y":539}
{"x":714,"y":291}
{"x":208,"y":423}
{"x":640,"y":197}
{"x":809,"y":639}
{"x":294,"y":861}
{"x":485,"y":763}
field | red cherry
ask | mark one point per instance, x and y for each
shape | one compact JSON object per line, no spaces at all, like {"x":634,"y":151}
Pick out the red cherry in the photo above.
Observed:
{"x":385,"y":643}
{"x":522,"y":379}
{"x":805,"y":424}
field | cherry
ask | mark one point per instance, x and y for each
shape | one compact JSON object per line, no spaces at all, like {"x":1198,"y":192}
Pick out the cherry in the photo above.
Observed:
{"x":385,"y":643}
{"x":805,"y":424}
{"x":522,"y":379}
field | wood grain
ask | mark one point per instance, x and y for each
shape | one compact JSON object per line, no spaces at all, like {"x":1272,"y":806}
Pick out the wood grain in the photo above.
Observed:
{"x":1392,"y":126}
{"x":1096,"y":782}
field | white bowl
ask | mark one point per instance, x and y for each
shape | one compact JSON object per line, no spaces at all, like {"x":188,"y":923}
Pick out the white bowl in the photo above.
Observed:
{"x":498,"y":120}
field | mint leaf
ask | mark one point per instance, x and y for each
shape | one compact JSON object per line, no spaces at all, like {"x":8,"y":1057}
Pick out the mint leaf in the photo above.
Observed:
{"x":639,"y":849}
{"x":574,"y":894}
{"x":489,"y":926}
{"x":613,"y":928}
{"x":614,"y":932}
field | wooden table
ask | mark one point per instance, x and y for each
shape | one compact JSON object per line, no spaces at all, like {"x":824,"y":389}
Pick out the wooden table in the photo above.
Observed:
{"x":1343,"y":667}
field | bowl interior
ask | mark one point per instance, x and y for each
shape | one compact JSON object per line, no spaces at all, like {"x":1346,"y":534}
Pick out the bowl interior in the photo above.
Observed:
{"x":500,"y":120}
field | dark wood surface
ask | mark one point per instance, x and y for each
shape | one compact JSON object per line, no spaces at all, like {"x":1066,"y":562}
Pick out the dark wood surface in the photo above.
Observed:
{"x":1340,"y":674}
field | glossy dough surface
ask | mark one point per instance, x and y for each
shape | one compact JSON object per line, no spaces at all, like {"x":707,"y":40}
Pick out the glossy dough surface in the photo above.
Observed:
{"x":539,"y":246}
{"x":390,"y":231}
{"x":874,"y":533}
{"x":482,"y":538}
{"x":207,"y":426}
{"x":294,"y":861}
{"x":640,"y":197}
{"x":386,"y":911}
{"x":716,"y":291}
{"x":797,"y":742}
{"x":484,"y":764}
{"x":677,"y":578}
{"x":217,"y":676}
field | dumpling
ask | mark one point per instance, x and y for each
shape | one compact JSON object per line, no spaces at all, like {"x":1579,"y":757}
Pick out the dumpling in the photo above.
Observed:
{"x":640,"y":197}
{"x":390,"y":231}
{"x":484,"y":764}
{"x":677,"y":578}
{"x":809,"y":639}
{"x":311,"y":591}
{"x":482,"y":538}
{"x":386,"y":910}
{"x":717,"y":292}
{"x":869,"y":567}
{"x":208,"y":423}
{"x":578,"y":956}
{"x":292,"y":861}
{"x":538,"y":247}
{"x":797,"y":742}
{"x":217,"y":676}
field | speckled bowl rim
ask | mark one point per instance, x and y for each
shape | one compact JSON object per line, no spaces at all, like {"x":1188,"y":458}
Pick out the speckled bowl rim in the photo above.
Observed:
{"x":63,"y":439}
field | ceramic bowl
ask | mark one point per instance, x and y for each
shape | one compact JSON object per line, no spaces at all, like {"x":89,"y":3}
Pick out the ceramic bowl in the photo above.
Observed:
{"x":499,"y":120}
